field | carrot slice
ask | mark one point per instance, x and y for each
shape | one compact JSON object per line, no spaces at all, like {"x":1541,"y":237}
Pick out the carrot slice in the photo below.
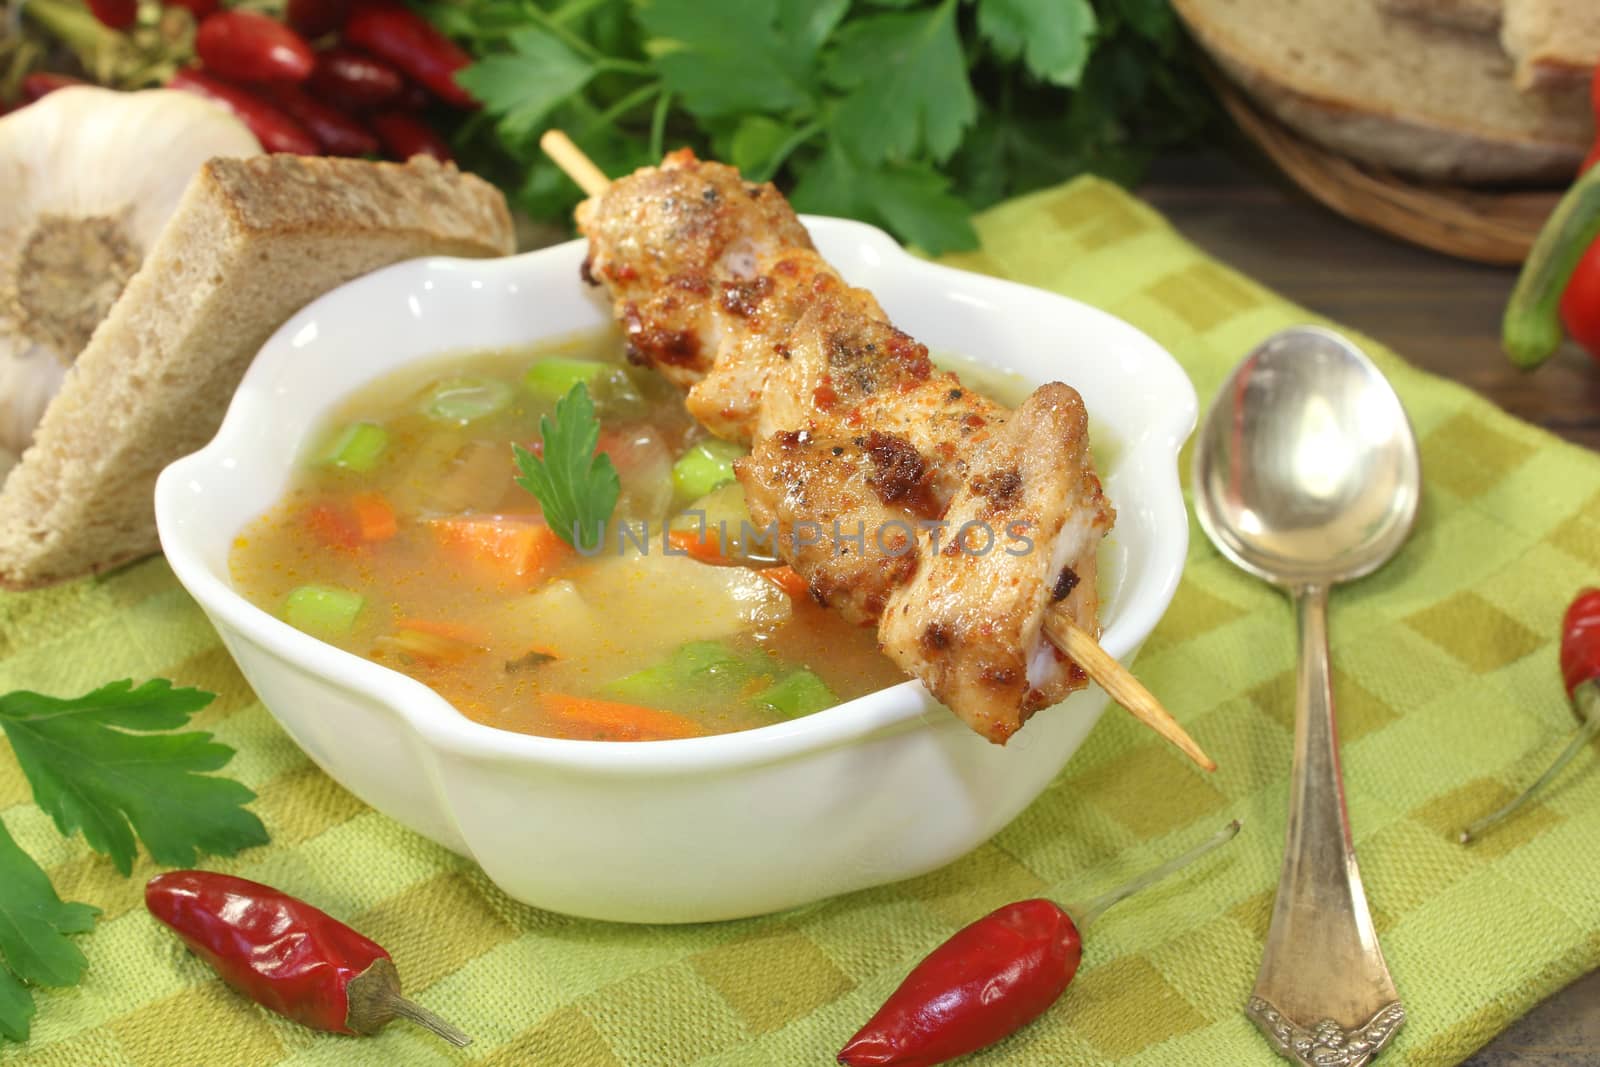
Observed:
{"x":332,"y":527}
{"x":455,"y":631}
{"x":706,"y":550}
{"x":788,"y":579}
{"x":374,"y":517}
{"x":515,"y":547}
{"x":607,"y":720}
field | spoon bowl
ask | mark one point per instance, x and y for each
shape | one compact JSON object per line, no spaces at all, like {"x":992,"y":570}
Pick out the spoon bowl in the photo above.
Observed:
{"x":1306,"y":469}
{"x":1306,"y":474}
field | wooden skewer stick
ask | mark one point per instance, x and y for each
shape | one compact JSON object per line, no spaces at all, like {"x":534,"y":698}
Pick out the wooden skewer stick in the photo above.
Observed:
{"x":1079,"y":645}
{"x":1119,"y":683}
{"x":570,"y":158}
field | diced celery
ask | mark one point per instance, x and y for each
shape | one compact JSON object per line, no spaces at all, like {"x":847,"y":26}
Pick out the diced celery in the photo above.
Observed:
{"x":322,"y":610}
{"x":799,"y":693}
{"x":554,"y":376}
{"x":698,"y":668}
{"x":705,"y":466}
{"x":357,"y":448}
{"x":614,"y":392}
{"x":464,"y":400}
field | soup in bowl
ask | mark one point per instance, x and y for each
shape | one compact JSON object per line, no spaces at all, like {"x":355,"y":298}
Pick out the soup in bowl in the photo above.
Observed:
{"x":789,"y":763}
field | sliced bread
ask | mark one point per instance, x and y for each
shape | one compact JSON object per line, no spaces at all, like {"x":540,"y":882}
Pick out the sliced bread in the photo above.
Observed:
{"x":1426,"y":101}
{"x":1472,"y":16}
{"x":1556,"y":43}
{"x":252,"y":242}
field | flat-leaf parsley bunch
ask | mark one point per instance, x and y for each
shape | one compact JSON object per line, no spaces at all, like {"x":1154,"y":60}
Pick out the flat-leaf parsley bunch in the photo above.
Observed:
{"x":107,"y":765}
{"x":907,"y":113}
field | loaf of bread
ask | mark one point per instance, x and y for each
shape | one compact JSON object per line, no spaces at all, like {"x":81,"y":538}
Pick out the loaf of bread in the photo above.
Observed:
{"x":252,"y":242}
{"x":1470,"y":16}
{"x":1423,"y":100}
{"x":1555,"y":43}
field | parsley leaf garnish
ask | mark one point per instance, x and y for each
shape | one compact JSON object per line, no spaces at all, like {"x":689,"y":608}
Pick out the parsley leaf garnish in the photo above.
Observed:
{"x":1053,"y":37}
{"x":526,"y":84}
{"x":95,"y":765}
{"x":726,"y":59}
{"x":34,"y":924}
{"x":576,"y":487}
{"x":909,"y":88}
{"x":911,"y":114}
{"x":912,"y":199}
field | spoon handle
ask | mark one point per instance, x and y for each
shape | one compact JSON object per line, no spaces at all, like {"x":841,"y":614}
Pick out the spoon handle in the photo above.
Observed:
{"x":1323,"y":995}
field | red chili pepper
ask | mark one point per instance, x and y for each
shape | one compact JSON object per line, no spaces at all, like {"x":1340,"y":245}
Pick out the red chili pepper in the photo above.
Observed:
{"x":250,"y":47}
{"x":43,"y":82}
{"x":314,"y":18}
{"x":286,"y":955}
{"x":355,"y":81}
{"x":1580,"y":302}
{"x":412,"y":45}
{"x":117,"y":14}
{"x":276,"y":131}
{"x":1560,"y":282}
{"x":198,"y":8}
{"x":1580,"y":671}
{"x":1580,"y":642}
{"x":993,"y":977}
{"x":413,"y":98}
{"x":404,"y":135}
{"x":336,"y":132}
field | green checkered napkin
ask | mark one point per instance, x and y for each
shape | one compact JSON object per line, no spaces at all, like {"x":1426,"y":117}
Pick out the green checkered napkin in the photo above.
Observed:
{"x":1449,"y":698}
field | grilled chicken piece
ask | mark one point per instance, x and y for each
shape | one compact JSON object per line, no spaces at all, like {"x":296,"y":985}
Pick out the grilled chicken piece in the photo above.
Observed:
{"x":678,"y":248}
{"x":858,"y":441}
{"x":970,"y":621}
{"x":852,"y":549}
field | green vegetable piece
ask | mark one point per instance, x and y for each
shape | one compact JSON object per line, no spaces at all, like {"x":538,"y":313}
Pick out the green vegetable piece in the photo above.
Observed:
{"x":909,"y":88}
{"x":696,"y":669}
{"x":577,"y":488}
{"x":1053,"y":36}
{"x":728,"y":59}
{"x":522,"y":88}
{"x":95,"y":764}
{"x":464,"y":400}
{"x":34,"y":947}
{"x":357,"y":448}
{"x":796,"y":694}
{"x":705,"y":466}
{"x":322,"y":610}
{"x":554,"y":376}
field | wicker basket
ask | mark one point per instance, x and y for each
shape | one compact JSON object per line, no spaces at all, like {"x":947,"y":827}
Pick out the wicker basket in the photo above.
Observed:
{"x":1486,"y":226}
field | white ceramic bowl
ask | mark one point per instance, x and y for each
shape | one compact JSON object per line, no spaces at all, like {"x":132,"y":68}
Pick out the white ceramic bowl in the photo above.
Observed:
{"x":881,"y":788}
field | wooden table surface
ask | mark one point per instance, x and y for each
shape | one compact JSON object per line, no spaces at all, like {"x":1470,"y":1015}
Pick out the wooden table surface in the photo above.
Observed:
{"x":1441,"y":314}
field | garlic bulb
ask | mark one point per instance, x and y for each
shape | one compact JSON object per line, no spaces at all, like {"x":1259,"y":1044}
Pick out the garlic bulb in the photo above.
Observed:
{"x":90,"y":177}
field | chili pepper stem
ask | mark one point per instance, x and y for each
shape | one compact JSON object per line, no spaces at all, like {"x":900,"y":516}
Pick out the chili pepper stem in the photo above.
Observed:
{"x":375,"y":999}
{"x":1587,"y":698}
{"x":1091,"y":911}
{"x":410,"y":1009}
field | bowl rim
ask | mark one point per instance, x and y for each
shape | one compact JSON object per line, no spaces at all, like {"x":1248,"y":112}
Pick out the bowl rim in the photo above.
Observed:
{"x":898,"y":708}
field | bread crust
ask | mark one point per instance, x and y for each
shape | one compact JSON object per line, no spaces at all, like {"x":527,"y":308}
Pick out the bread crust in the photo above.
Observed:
{"x":1470,"y":16}
{"x":1556,"y":43}
{"x":1517,"y":139}
{"x":251,"y":242}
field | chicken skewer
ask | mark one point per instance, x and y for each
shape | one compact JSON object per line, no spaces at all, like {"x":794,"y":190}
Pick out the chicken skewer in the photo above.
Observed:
{"x":732,"y":303}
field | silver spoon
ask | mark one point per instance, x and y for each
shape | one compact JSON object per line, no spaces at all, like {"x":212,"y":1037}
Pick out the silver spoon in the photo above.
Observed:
{"x":1306,"y":474}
